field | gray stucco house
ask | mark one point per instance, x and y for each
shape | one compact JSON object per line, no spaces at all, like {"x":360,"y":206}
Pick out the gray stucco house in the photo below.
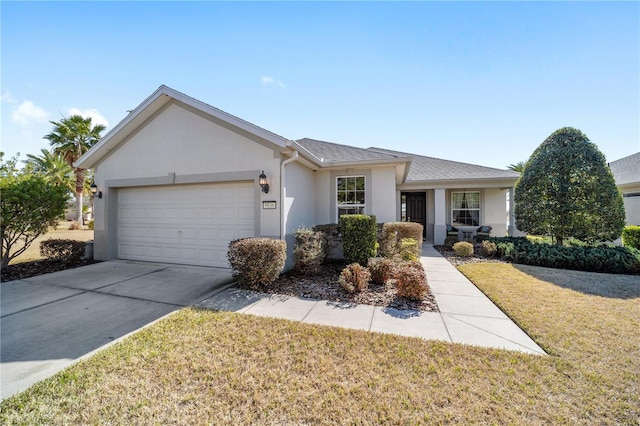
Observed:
{"x":178,"y":179}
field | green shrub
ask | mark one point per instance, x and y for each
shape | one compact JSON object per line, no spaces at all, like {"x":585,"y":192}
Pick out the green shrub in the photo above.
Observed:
{"x":310,"y":251}
{"x":410,"y":249}
{"x":358,"y":237}
{"x":393,"y":233}
{"x":67,"y":251}
{"x":463,"y":248}
{"x":411,"y":280}
{"x":620,"y":260}
{"x":631,"y":236}
{"x":354,"y":277}
{"x":381,"y":269}
{"x":257,"y":261}
{"x":450,"y":241}
{"x":90,"y":224}
{"x":489,"y":248}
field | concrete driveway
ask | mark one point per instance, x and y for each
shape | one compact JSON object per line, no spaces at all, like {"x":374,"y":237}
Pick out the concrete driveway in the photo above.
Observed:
{"x":50,"y":321}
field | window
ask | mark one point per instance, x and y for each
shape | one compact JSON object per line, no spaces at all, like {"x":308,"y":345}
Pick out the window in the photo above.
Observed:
{"x":350,"y":194}
{"x":465,"y":208}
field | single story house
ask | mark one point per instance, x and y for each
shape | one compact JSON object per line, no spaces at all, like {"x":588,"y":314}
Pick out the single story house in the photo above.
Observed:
{"x":178,"y":179}
{"x":626,"y":171}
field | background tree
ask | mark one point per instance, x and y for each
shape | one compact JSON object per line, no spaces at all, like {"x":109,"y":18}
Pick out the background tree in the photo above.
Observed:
{"x":53,"y":167}
{"x":568,"y":190}
{"x":517,"y":167}
{"x":71,"y":138}
{"x":29,"y":206}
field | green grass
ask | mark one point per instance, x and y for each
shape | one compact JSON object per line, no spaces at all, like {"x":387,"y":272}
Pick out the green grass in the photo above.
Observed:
{"x":204,"y":367}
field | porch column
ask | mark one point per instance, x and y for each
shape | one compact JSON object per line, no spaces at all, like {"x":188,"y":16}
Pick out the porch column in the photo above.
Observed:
{"x":440,"y":219}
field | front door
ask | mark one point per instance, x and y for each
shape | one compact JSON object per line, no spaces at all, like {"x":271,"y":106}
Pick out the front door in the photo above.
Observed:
{"x":415,"y":208}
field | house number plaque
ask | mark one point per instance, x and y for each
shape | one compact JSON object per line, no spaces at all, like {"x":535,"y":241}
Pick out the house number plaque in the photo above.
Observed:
{"x":268,"y":205}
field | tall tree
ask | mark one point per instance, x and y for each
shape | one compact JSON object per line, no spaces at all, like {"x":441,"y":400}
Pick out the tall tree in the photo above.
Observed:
{"x":53,"y":167}
{"x":71,"y":138}
{"x":567,"y":190}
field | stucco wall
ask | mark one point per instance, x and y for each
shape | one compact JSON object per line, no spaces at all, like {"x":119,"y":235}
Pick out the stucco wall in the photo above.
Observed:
{"x":383,"y":196}
{"x":178,"y":144}
{"x":632,"y":210}
{"x":299,"y":203}
{"x":494,"y":210}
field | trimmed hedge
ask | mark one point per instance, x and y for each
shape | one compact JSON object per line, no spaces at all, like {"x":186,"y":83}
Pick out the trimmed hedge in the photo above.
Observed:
{"x":358,"y":237}
{"x":257,"y":261}
{"x":616,"y":260}
{"x":393,"y":234}
{"x":631,"y":236}
{"x":463,"y":248}
{"x":310,"y":251}
{"x":68,"y":251}
{"x":354,"y":277}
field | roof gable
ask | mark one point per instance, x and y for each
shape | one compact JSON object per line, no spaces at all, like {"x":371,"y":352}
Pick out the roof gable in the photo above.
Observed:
{"x":158,"y":100}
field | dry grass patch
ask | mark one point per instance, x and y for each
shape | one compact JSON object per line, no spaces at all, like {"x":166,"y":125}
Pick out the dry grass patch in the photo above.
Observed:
{"x":205,"y":367}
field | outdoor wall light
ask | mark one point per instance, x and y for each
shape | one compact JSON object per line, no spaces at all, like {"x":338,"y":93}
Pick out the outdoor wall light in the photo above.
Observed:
{"x":263,"y":182}
{"x":94,"y":190}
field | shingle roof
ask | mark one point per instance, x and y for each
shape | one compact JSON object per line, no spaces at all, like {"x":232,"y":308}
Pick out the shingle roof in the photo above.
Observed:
{"x":430,"y":168}
{"x":626,"y":170}
{"x":421,"y":169}
{"x":333,"y":152}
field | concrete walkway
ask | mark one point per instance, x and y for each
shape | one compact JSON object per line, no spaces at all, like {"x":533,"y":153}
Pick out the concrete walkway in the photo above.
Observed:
{"x":466,"y":315}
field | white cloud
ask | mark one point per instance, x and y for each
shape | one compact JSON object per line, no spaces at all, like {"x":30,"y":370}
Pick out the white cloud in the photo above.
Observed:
{"x":27,"y":113}
{"x":266,"y":81}
{"x":8,"y":98}
{"x":96,"y":117}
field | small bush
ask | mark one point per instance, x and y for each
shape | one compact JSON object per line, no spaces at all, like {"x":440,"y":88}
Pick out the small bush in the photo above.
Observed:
{"x":411,"y":280}
{"x":90,"y":225}
{"x":631,"y":236}
{"x":463,"y":248}
{"x":354,"y":277}
{"x":75,"y":226}
{"x":67,"y":251}
{"x":358,"y":237}
{"x":381,"y":269}
{"x":450,"y":241}
{"x":393,"y":233}
{"x":489,"y":249}
{"x":310,"y":251}
{"x":257,"y":261}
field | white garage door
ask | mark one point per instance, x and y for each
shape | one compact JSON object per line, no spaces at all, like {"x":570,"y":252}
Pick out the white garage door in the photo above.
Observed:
{"x":187,"y":224}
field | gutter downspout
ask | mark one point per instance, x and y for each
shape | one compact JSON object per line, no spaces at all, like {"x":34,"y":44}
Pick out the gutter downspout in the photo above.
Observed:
{"x":282,"y":175}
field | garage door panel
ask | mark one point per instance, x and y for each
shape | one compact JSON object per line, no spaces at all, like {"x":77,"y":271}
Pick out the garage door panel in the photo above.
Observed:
{"x":190,"y":224}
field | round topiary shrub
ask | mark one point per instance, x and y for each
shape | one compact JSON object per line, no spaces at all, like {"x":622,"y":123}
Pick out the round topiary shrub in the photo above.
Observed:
{"x":463,"y":249}
{"x":310,"y":251}
{"x":257,"y":261}
{"x":489,"y":249}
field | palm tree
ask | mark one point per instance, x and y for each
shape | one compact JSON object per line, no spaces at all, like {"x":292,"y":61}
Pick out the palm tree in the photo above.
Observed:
{"x":71,"y":138}
{"x":55,"y":169}
{"x":518,"y":167}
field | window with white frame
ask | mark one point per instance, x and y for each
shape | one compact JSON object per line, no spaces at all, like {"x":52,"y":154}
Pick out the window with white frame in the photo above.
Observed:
{"x":465,"y":208}
{"x":350,"y":195}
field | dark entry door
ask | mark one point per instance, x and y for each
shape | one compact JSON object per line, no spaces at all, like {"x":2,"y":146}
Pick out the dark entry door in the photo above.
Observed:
{"x":416,"y":208}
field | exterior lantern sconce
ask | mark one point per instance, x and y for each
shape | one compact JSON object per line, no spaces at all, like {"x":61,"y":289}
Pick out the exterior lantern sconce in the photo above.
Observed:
{"x":94,"y":190}
{"x":263,"y":182}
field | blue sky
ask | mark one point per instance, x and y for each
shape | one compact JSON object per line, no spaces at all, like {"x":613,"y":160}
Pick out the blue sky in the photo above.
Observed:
{"x":479,"y":82}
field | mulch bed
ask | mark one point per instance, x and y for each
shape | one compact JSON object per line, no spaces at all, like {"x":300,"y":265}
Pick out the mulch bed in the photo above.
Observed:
{"x":326,"y":287}
{"x":38,"y":267}
{"x":455,"y":260}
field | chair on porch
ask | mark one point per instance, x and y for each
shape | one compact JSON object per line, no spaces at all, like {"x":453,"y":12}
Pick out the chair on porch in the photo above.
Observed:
{"x":452,"y":231}
{"x":482,"y":233}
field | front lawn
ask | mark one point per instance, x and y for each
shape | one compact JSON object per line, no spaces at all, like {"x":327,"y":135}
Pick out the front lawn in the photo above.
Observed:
{"x":204,"y":367}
